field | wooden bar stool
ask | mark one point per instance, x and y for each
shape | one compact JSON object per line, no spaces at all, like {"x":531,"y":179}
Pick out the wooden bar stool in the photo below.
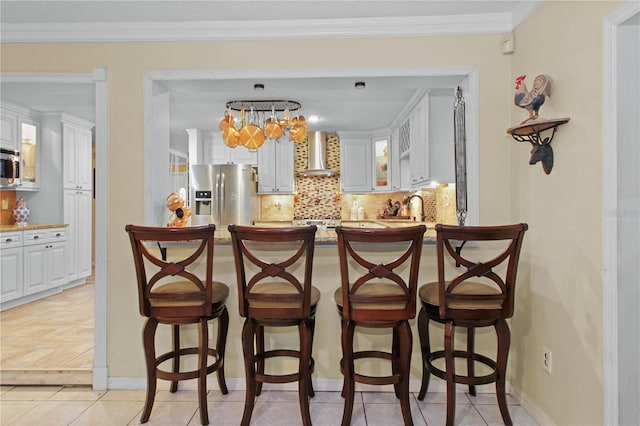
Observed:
{"x":481,"y":295}
{"x":275,"y":293}
{"x":171,"y":292}
{"x":378,"y":294}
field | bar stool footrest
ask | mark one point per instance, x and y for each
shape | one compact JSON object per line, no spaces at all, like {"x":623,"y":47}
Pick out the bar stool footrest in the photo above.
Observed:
{"x":373,"y":380}
{"x":467,"y":380}
{"x":280,"y":378}
{"x":186,"y":375}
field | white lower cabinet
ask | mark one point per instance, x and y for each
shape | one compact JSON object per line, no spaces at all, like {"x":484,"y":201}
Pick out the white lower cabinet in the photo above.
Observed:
{"x":34,"y":264}
{"x":45,"y":259}
{"x":11,"y":268}
{"x":77,"y":213}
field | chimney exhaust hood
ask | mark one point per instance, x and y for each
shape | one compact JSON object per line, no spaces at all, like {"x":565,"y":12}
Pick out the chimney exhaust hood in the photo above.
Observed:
{"x":317,"y":153}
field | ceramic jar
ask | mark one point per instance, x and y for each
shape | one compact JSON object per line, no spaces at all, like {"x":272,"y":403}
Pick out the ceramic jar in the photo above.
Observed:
{"x":21,"y":212}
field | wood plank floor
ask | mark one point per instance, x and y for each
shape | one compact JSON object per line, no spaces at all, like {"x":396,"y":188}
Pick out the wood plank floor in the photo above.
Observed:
{"x":49,"y":341}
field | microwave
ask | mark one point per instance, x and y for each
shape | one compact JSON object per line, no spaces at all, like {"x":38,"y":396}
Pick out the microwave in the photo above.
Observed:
{"x":9,"y":168}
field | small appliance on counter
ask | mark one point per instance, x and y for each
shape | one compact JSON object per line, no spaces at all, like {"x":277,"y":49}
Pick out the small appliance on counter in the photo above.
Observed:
{"x":223,"y":194}
{"x":9,"y":168}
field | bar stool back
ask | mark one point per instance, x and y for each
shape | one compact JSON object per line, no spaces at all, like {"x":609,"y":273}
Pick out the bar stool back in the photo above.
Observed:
{"x":378,"y":294}
{"x":275,"y":293}
{"x":480,"y":295}
{"x":171,"y":292}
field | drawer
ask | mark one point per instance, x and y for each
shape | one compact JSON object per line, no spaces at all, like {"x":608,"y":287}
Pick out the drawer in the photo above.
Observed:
{"x":10,"y":239}
{"x":57,"y":234}
{"x":36,"y":236}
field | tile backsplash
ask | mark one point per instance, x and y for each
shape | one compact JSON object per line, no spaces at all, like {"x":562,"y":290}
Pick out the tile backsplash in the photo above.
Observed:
{"x":320,"y":197}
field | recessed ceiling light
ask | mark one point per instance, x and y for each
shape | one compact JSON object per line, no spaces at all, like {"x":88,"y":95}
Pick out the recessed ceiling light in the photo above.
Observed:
{"x":258,"y":87}
{"x":313,"y":119}
{"x":360,"y":85}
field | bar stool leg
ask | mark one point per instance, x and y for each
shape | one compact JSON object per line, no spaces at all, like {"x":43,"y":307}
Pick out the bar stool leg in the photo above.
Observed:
{"x":221,"y":345}
{"x":395,"y":360}
{"x":423,"y":331}
{"x":248,"y":333}
{"x":312,"y":328}
{"x":449,"y":329}
{"x":470,"y":363}
{"x":504,"y":341}
{"x":150,"y":357}
{"x":303,"y":369}
{"x":348,"y":389}
{"x":203,"y":351}
{"x":405,"y":341}
{"x":260,"y":350}
{"x":175,"y":333}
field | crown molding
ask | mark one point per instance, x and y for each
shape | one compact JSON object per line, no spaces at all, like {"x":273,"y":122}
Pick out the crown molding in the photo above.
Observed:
{"x":522,"y":11}
{"x":98,"y":32}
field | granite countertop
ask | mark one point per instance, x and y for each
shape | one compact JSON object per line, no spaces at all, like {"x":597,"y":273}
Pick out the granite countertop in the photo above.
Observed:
{"x":328,"y":236}
{"x":31,"y":226}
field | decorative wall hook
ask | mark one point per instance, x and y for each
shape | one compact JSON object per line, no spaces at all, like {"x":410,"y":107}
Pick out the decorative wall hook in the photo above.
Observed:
{"x":531,"y":129}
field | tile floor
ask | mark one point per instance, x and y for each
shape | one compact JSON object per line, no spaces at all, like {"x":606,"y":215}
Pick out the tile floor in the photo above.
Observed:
{"x":57,"y":405}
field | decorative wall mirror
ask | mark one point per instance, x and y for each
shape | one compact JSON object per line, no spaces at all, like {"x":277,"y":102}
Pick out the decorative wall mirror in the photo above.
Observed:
{"x":460,"y":142}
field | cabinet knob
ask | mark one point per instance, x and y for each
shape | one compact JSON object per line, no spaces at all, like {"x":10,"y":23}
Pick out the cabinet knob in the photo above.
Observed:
{"x":35,"y":237}
{"x":8,"y":240}
{"x":58,"y":234}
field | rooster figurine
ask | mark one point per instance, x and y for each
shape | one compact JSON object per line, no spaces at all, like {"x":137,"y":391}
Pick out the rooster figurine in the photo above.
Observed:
{"x":532,"y":100}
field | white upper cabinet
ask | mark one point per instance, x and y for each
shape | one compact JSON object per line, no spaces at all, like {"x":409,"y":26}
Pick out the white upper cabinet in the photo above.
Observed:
{"x":76,"y":153}
{"x":441,"y":142}
{"x":30,"y":153}
{"x":276,"y":167}
{"x":20,"y":131}
{"x":381,"y":161}
{"x":419,"y":143}
{"x":356,"y":162}
{"x":222,"y":154}
{"x":9,"y":130}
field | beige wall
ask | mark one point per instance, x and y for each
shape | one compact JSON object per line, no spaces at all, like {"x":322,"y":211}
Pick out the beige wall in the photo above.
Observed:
{"x":559,"y":296}
{"x":559,"y":302}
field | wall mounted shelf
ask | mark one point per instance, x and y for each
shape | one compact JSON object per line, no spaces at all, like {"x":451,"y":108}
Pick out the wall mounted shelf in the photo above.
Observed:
{"x":531,"y":131}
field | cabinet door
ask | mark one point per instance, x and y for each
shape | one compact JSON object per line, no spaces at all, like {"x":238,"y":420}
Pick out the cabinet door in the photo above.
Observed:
{"x":11,"y":273}
{"x":241,"y":155}
{"x":285,"y":163}
{"x":30,"y":153}
{"x":83,"y":157}
{"x":355,"y":164}
{"x":9,"y":131}
{"x":35,"y":268}
{"x":275,"y":167}
{"x":69,"y":156}
{"x":70,"y":217}
{"x":83,"y":234}
{"x":381,"y":162}
{"x":419,"y":149}
{"x":267,"y":168}
{"x":57,"y":259}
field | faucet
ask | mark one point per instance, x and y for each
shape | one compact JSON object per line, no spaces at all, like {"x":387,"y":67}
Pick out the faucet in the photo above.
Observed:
{"x":422,"y":215}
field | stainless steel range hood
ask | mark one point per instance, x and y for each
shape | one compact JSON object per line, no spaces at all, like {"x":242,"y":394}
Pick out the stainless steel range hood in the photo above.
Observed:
{"x":317,"y":148}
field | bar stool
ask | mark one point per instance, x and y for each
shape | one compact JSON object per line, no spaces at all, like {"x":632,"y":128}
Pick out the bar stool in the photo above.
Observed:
{"x":378,"y":294}
{"x":481,"y":295}
{"x":275,"y":293}
{"x":170,"y":292}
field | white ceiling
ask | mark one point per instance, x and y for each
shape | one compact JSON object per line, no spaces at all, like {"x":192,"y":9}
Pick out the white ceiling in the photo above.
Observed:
{"x":200,"y":103}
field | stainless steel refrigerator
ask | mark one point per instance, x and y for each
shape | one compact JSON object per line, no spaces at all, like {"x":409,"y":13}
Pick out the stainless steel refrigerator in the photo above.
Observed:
{"x":223,"y":194}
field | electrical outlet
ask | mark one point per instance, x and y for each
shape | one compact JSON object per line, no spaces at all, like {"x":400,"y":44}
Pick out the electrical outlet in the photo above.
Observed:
{"x":546,"y":360}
